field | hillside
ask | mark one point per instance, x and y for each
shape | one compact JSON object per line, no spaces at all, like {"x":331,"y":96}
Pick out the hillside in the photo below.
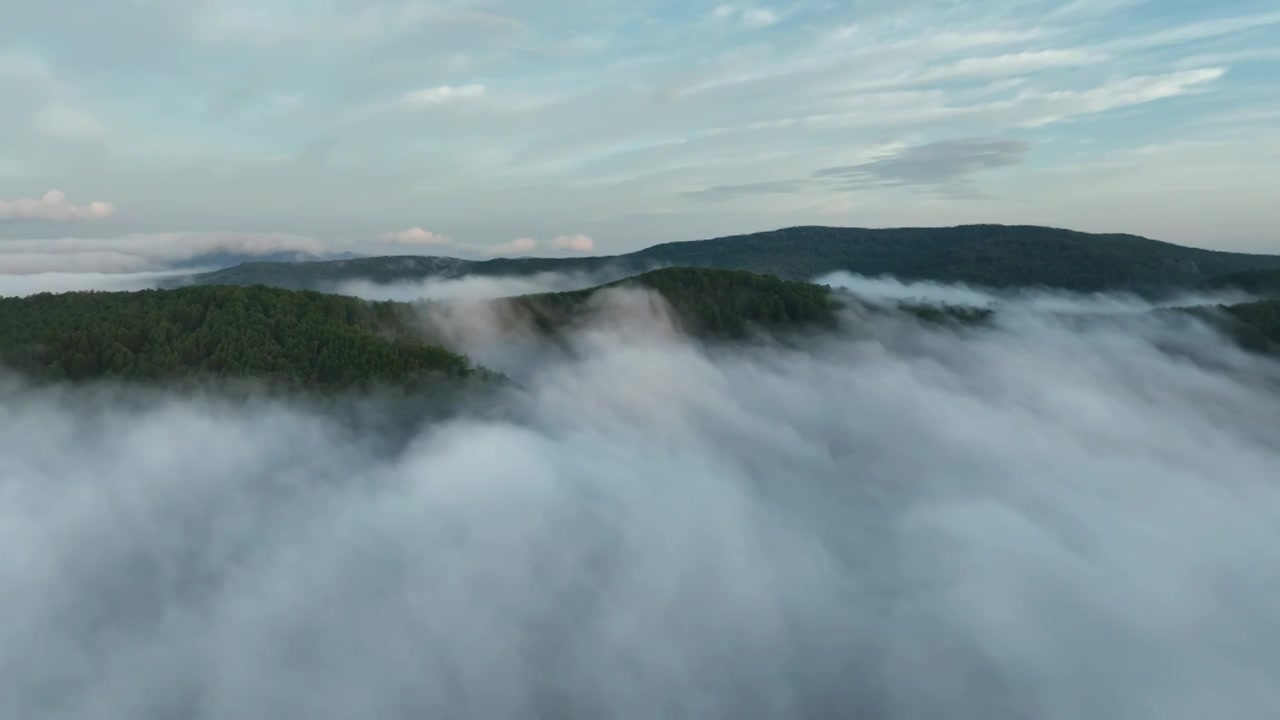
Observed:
{"x":708,"y":303}
{"x":295,"y":338}
{"x":308,"y":339}
{"x":1254,"y":326}
{"x":991,"y":255}
{"x":1259,"y":282}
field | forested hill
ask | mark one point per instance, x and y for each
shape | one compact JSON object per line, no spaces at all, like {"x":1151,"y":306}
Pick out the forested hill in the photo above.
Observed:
{"x":1265,"y":283}
{"x":313,"y":340}
{"x":991,"y":255}
{"x":707,"y":303}
{"x":305,"y":338}
{"x":295,"y":338}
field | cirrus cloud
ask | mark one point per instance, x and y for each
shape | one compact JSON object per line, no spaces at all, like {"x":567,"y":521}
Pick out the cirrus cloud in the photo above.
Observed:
{"x":442,"y":94}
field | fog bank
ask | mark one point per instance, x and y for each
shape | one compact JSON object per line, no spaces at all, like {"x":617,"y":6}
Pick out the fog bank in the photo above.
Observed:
{"x":1031,"y":520}
{"x":60,"y":282}
{"x":887,"y":289}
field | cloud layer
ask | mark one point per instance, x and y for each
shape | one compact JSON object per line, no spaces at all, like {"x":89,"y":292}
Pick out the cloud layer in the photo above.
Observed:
{"x":143,"y":252}
{"x":1037,"y":520}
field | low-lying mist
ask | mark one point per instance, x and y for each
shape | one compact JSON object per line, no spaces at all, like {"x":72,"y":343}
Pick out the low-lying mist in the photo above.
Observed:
{"x":472,"y":287}
{"x":22,"y":285}
{"x":1030,"y":519}
{"x":887,"y":289}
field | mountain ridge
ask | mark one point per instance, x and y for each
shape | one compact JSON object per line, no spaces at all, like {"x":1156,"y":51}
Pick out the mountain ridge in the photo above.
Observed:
{"x":983,"y":254}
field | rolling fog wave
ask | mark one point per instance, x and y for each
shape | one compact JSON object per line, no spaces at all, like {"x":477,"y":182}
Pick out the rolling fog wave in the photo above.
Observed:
{"x":1036,"y":520}
{"x":888,"y":289}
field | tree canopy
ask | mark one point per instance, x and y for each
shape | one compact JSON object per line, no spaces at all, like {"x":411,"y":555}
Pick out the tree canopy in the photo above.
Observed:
{"x":302,"y":338}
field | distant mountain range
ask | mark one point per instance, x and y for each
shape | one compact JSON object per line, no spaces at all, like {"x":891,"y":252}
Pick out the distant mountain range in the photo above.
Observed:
{"x":229,"y":259}
{"x":998,"y":256}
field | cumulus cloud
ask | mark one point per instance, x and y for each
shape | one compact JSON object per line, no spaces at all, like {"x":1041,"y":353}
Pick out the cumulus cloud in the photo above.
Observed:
{"x":143,"y":252}
{"x":576,"y":243}
{"x":54,"y":206}
{"x":418,"y":236}
{"x":1036,"y":520}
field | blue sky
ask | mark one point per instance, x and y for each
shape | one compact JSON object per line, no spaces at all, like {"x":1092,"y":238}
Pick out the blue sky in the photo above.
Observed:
{"x":512,"y":126}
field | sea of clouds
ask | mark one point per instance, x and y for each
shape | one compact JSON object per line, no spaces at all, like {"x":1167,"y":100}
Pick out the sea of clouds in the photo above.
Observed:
{"x":1037,"y":518}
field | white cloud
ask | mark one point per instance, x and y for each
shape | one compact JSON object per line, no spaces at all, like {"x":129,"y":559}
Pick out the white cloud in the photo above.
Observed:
{"x":576,"y":243}
{"x":759,"y":17}
{"x":912,"y":523}
{"x":54,"y":207}
{"x":1048,"y":107}
{"x":519,"y":246}
{"x":751,"y":17}
{"x":443,"y":94}
{"x":1010,"y":64}
{"x":418,"y":236}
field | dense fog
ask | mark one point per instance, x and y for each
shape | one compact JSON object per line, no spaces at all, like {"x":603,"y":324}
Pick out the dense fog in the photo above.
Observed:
{"x":1039,"y":518}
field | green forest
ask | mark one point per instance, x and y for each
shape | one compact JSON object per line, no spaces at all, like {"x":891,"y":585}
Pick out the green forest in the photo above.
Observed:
{"x":309,"y":339}
{"x":291,"y":337}
{"x":711,"y":304}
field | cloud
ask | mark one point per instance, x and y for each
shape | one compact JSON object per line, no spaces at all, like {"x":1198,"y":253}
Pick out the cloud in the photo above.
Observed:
{"x":519,"y":246}
{"x":472,"y":287}
{"x":68,"y":123}
{"x":1037,"y":520}
{"x":888,"y":291}
{"x":769,"y":187}
{"x":576,"y":243}
{"x":1041,"y":108}
{"x":1020,"y":63}
{"x":143,"y":252}
{"x":947,"y":164}
{"x":418,"y":236}
{"x":54,"y":207}
{"x":60,"y":282}
{"x":442,"y":95}
{"x":748,"y":17}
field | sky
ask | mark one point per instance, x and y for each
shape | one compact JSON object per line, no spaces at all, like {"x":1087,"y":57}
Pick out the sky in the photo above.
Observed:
{"x":509,"y":127}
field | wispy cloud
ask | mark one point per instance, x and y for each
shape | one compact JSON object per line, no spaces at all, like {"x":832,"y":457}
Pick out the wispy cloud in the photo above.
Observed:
{"x":139,"y":252}
{"x":947,"y":165}
{"x":746,"y":17}
{"x":578,"y":101}
{"x":443,"y":94}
